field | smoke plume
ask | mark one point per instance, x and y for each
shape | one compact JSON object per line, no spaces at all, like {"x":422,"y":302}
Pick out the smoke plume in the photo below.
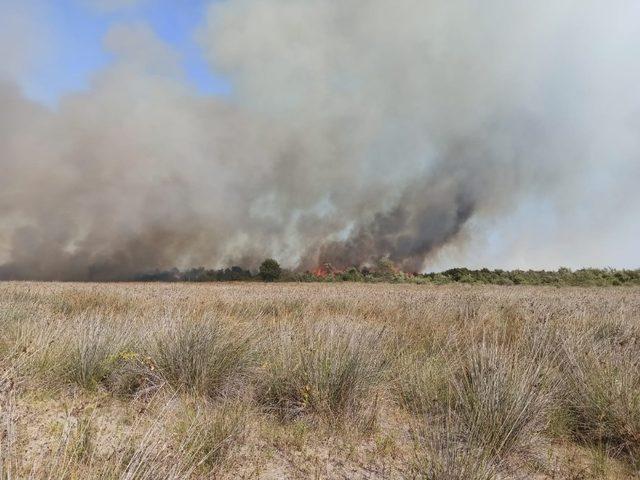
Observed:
{"x":355,"y":130}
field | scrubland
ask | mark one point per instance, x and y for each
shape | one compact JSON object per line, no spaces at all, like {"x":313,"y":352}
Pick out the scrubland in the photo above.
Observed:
{"x":178,"y":381}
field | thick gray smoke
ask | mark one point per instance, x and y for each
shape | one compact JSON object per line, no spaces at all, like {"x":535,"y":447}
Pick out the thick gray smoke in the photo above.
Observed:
{"x":356,"y":130}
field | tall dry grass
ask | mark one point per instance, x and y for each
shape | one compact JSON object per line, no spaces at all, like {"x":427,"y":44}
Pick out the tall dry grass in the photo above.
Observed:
{"x":602,"y":387}
{"x":330,"y":369}
{"x":451,"y":382}
{"x":201,"y":355}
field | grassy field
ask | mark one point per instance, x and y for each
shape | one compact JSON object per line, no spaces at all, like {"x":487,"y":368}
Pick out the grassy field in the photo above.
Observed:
{"x":173,"y":381}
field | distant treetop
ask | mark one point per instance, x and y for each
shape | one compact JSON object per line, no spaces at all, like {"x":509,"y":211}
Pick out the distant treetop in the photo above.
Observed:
{"x":270,"y":270}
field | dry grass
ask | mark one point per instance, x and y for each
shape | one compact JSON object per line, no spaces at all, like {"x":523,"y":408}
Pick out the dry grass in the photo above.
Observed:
{"x":133,"y":381}
{"x":199,"y":355}
{"x":329,"y":369}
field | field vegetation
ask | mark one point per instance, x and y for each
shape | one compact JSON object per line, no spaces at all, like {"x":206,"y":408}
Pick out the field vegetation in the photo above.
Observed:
{"x":384,"y":271}
{"x":326,"y":380}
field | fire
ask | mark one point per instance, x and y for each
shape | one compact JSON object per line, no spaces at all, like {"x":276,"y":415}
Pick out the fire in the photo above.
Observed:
{"x":383,"y":268}
{"x":325,"y":270}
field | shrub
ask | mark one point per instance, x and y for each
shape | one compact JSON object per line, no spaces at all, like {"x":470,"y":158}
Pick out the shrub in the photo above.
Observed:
{"x":352,"y":275}
{"x":270,"y":270}
{"x":386,"y":269}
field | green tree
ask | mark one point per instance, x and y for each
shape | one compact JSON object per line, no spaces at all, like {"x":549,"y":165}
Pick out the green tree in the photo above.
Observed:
{"x":270,"y":270}
{"x":386,"y":269}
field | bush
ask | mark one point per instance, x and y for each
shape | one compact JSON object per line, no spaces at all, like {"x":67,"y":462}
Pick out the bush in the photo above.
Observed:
{"x":386,"y":269}
{"x":270,"y":270}
{"x":352,"y":275}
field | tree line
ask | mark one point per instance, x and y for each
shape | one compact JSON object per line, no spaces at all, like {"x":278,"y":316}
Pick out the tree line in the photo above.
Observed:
{"x":385,"y":271}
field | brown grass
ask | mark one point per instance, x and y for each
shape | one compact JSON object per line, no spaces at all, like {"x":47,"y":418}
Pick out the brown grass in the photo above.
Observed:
{"x":146,"y":381}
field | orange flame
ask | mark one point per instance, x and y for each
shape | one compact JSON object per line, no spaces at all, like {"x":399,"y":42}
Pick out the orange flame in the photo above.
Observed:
{"x":325,"y":270}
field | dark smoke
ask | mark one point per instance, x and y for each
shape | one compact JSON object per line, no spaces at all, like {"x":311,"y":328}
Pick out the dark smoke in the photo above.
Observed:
{"x":417,"y":130}
{"x":429,"y":214}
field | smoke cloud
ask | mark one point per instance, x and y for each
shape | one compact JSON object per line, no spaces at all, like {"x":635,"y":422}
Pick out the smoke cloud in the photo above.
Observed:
{"x":416,"y":130}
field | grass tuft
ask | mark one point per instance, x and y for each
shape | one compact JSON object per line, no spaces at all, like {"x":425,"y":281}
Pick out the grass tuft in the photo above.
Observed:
{"x":328,"y":369}
{"x":209,"y":434}
{"x":200,"y":355}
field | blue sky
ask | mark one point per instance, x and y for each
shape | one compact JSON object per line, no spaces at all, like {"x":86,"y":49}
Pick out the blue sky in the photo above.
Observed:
{"x":78,"y":30}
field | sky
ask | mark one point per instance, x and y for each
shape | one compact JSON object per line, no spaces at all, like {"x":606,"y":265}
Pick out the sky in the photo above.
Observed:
{"x":73,"y":49}
{"x":148,"y":134}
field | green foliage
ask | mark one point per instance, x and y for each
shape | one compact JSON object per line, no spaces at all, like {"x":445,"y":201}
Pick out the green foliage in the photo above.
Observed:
{"x":352,"y":275}
{"x":587,"y":277}
{"x":270,"y":270}
{"x":386,"y":271}
{"x":200,"y":274}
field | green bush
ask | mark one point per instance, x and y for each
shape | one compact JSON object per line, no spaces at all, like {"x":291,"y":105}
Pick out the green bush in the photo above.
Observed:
{"x":270,"y":270}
